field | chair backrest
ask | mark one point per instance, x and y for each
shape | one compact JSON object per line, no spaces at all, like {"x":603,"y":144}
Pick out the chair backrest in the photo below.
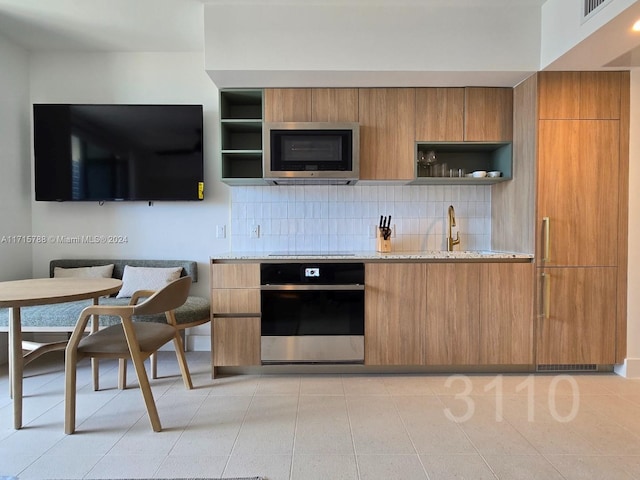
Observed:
{"x":168,"y":298}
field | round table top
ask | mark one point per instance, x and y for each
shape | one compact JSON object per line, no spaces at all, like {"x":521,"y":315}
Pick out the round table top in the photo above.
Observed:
{"x":43,"y":291}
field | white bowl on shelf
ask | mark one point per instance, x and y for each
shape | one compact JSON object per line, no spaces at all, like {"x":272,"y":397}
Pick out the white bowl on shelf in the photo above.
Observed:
{"x":494,"y":174}
{"x":479,"y":174}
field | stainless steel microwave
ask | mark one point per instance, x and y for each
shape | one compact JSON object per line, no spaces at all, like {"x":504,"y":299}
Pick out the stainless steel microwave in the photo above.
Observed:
{"x":311,"y":152}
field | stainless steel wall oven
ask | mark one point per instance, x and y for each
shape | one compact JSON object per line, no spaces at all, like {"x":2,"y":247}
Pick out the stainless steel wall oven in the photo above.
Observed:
{"x":312,"y":312}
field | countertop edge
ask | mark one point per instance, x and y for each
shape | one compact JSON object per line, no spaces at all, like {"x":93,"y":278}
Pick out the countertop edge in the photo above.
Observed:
{"x":435,"y":257}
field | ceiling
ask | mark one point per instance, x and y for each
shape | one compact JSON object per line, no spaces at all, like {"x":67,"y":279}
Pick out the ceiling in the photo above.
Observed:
{"x":178,"y":26}
{"x":140,"y":25}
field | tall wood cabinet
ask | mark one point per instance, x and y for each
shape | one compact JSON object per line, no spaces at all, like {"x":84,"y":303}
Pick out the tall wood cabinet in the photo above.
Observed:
{"x":581,"y":203}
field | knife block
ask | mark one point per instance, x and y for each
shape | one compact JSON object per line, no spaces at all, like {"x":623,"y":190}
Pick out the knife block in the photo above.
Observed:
{"x":382,"y":245}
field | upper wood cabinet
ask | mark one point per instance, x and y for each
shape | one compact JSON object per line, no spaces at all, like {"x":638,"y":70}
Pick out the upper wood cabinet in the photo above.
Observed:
{"x":440,"y":114}
{"x":287,"y":105}
{"x":387,"y":133}
{"x":311,"y":105}
{"x":579,"y":95}
{"x":488,"y":114}
{"x":471,"y":114}
{"x":334,"y":105}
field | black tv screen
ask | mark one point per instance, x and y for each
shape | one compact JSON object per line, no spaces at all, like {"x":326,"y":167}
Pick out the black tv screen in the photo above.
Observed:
{"x":118,"y":152}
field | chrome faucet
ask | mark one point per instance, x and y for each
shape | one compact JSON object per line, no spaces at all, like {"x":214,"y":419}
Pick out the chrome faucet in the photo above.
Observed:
{"x":452,"y":223}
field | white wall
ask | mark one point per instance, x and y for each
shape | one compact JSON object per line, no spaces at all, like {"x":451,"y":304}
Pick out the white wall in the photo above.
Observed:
{"x":369,"y":44}
{"x":15,"y":165}
{"x":15,"y":198}
{"x":166,"y":230}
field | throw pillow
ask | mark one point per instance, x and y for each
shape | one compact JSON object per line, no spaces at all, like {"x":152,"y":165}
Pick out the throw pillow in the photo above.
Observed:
{"x":101,"y":271}
{"x":146,"y":278}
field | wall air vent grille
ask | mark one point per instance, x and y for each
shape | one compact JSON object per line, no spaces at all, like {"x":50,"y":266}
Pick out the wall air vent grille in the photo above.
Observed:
{"x":561,"y":367}
{"x":591,"y":7}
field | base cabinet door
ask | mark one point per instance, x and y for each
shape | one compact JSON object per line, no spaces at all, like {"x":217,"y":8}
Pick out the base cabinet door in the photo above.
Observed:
{"x":577,"y":317}
{"x":394,"y":313}
{"x":236,"y":341}
{"x":506,"y":313}
{"x":452,"y":323}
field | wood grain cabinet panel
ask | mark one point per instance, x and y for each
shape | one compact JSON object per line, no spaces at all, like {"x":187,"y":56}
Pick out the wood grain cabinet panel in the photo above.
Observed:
{"x":235,"y":275}
{"x":387,"y":133}
{"x":334,"y":104}
{"x":579,"y":95}
{"x":452,"y":324}
{"x":225,"y":301}
{"x":506,"y":313}
{"x":488,"y":114}
{"x":236,"y":341}
{"x":581,"y":327}
{"x":287,"y":105}
{"x":395,"y":311}
{"x":440,"y":114}
{"x":578,"y":162}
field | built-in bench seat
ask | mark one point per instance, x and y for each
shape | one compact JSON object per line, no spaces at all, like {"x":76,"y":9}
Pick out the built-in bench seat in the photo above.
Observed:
{"x":62,"y":317}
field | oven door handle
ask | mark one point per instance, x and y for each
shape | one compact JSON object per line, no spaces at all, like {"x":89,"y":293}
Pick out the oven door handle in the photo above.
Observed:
{"x":290,"y":287}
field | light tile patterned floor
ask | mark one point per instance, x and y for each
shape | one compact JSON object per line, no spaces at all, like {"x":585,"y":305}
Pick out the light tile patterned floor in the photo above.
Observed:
{"x":329,"y":427}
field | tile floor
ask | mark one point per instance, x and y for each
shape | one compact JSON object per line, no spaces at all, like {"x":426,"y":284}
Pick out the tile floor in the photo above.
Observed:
{"x":327,"y":427}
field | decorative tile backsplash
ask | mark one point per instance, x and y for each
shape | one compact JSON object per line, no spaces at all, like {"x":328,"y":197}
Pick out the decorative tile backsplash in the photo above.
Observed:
{"x":326,"y":218}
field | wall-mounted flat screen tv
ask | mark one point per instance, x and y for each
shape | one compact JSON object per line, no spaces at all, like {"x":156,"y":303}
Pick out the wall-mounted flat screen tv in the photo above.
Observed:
{"x":118,"y":152}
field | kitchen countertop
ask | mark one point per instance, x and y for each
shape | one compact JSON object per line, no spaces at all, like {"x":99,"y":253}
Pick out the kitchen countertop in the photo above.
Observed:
{"x":426,"y":256}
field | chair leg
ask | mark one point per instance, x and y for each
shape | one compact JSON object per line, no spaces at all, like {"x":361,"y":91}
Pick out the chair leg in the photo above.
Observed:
{"x":153,"y":361}
{"x":145,"y":388}
{"x":122,"y":373}
{"x":70,"y":365}
{"x":95,"y":372}
{"x":182,"y":361}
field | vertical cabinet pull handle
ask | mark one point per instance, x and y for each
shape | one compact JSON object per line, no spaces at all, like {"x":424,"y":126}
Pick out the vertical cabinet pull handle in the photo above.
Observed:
{"x":546,"y":296}
{"x":546,"y":225}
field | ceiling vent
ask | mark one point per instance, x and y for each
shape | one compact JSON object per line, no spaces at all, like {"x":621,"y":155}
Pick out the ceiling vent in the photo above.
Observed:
{"x":591,"y":7}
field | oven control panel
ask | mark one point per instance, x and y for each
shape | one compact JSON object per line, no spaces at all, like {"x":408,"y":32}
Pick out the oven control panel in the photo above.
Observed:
{"x":311,"y":272}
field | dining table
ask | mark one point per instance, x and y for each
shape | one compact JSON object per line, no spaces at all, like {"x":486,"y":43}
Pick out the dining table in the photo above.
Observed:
{"x":15,"y":294}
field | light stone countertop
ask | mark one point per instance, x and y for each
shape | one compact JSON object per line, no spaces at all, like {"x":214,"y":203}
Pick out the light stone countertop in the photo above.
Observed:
{"x":426,"y":256}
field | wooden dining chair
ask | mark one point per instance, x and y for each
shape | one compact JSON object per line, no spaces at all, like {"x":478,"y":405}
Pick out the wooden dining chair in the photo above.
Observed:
{"x":131,"y":340}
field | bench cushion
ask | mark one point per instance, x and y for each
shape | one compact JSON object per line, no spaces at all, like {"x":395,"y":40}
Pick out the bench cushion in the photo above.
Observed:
{"x":63,"y":316}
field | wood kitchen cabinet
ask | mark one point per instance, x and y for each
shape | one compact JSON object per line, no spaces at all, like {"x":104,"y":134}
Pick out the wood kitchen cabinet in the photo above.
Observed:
{"x":582,"y":130}
{"x":506,"y":314}
{"x":580,"y":95}
{"x":440,"y":114}
{"x":287,"y":105}
{"x":471,"y":114}
{"x":578,"y":164}
{"x":235,"y":306}
{"x":311,"y":105}
{"x":452,"y":325}
{"x":387,"y":133}
{"x":449,"y":314}
{"x":577,"y":316}
{"x":395,"y":313}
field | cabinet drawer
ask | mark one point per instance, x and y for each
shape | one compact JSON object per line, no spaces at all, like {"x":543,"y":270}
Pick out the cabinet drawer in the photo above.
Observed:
{"x":236,"y":301}
{"x":235,"y":275}
{"x":236,"y":341}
